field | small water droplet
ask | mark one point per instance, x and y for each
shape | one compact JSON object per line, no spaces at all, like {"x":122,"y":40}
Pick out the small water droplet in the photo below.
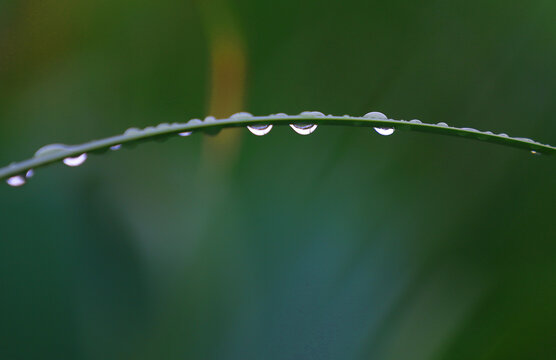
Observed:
{"x":279,"y":115}
{"x":30,"y":173}
{"x":75,"y":161}
{"x":312,"y":113}
{"x":375,"y":115}
{"x":16,"y":181}
{"x":303,"y":129}
{"x":260,"y":130}
{"x":51,"y":149}
{"x":132,"y":131}
{"x":241,"y":115}
{"x":469,"y":129}
{"x":535,"y":152}
{"x":524,"y":139}
{"x":116,"y":147}
{"x":194,"y":121}
{"x":210,"y":119}
{"x":384,"y":131}
{"x":185,"y":133}
{"x":443,"y":124}
{"x":163,"y":126}
{"x":415,"y":121}
{"x":504,"y":135}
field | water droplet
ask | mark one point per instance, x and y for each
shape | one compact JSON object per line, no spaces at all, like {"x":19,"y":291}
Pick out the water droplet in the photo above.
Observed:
{"x":384,"y":131}
{"x":132,"y":131}
{"x":535,"y":152}
{"x":415,"y":121}
{"x":210,"y":119}
{"x":504,"y":135}
{"x":16,"y":181}
{"x":260,"y":130}
{"x":185,"y":133}
{"x":375,"y":115}
{"x":51,"y":149}
{"x":279,"y":115}
{"x":75,"y":161}
{"x":303,"y":129}
{"x":312,"y":113}
{"x":469,"y":129}
{"x":524,"y":139}
{"x":241,"y":115}
{"x":30,"y":173}
{"x":163,"y":126}
{"x":116,"y":147}
{"x":194,"y":121}
{"x":443,"y":124}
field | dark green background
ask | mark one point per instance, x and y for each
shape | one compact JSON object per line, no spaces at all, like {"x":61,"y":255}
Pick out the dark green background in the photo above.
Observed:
{"x":339,"y":245}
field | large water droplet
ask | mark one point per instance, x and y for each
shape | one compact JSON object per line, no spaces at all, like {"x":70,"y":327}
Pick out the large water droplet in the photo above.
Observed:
{"x":16,"y":181}
{"x":303,"y":129}
{"x":51,"y":149}
{"x":185,"y":133}
{"x":375,"y":115}
{"x":260,"y":130}
{"x":384,"y":131}
{"x":241,"y":115}
{"x":75,"y":161}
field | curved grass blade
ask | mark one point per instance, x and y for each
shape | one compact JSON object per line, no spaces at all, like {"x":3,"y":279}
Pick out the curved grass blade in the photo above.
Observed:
{"x":212,"y":125}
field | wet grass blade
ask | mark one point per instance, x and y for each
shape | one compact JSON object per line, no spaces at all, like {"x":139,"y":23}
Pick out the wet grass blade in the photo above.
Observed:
{"x":210,"y":124}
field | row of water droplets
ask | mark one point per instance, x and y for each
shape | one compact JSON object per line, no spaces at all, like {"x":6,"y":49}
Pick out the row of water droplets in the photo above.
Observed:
{"x":308,"y":128}
{"x":302,"y":128}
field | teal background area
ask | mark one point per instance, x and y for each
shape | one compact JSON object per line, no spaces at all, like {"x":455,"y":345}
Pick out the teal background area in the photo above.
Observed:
{"x":339,"y":245}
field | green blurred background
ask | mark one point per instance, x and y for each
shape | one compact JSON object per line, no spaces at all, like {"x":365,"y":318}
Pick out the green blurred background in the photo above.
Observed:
{"x":339,"y":245}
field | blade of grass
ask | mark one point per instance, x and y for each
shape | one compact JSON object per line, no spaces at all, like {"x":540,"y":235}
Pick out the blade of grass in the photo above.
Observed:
{"x":133,"y":136}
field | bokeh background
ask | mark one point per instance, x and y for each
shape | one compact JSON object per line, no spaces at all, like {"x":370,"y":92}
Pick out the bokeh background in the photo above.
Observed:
{"x":339,"y":245}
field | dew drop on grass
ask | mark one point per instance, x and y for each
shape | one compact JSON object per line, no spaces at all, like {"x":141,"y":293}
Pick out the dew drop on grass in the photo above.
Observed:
{"x":185,"y":133}
{"x":384,"y":131}
{"x":443,"y":124}
{"x":241,"y":115}
{"x":51,"y":149}
{"x":303,"y":129}
{"x":29,"y":174}
{"x":415,"y":121}
{"x":260,"y":130}
{"x":75,"y":161}
{"x":16,"y":181}
{"x":116,"y":147}
{"x":375,"y":115}
{"x":312,"y":113}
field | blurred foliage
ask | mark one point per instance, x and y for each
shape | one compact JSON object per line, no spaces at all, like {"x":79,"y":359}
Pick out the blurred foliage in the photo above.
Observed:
{"x":342,"y":244}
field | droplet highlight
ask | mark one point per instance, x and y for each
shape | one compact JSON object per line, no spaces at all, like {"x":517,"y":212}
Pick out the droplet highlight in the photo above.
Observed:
{"x":384,"y":131}
{"x":259,"y":130}
{"x":303,"y":129}
{"x":75,"y":161}
{"x":29,"y":174}
{"x":116,"y":147}
{"x":16,"y":181}
{"x":185,"y":133}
